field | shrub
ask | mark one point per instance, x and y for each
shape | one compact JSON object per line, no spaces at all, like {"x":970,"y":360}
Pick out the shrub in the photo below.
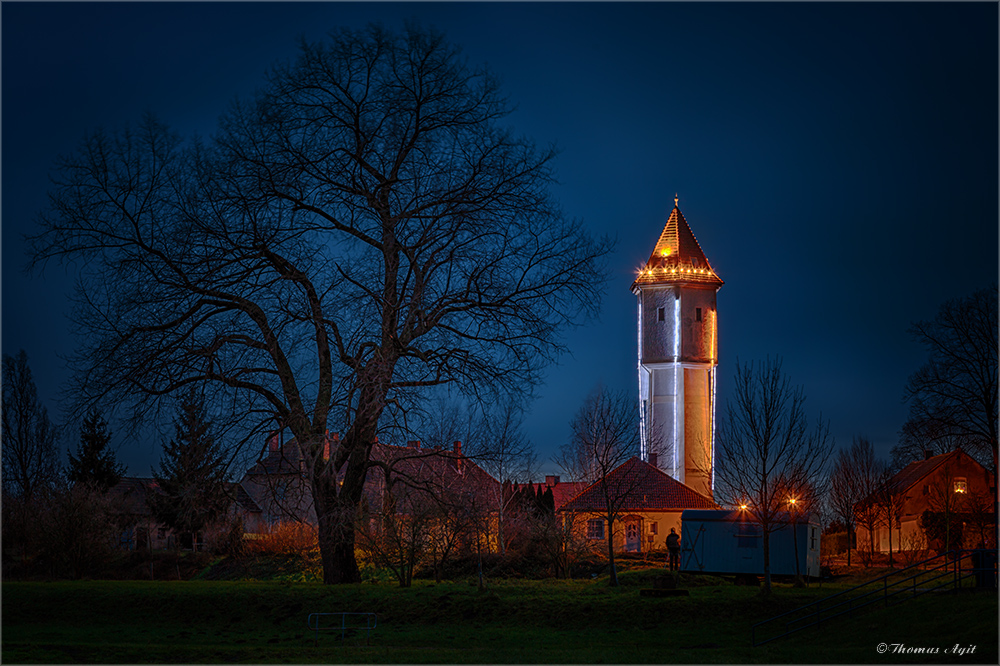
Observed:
{"x":285,"y":538}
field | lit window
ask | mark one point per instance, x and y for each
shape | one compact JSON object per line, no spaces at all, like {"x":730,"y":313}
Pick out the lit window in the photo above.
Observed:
{"x":652,"y":528}
{"x":960,"y":485}
{"x":595,"y":529}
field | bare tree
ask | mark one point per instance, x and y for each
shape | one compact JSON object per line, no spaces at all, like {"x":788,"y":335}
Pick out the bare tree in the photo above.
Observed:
{"x":604,"y":435}
{"x":892,"y":500}
{"x":362,"y":229}
{"x":766,"y":446}
{"x":869,"y":472}
{"x":853,"y":479}
{"x":954,"y":395}
{"x":30,"y":456}
{"x":501,"y":448}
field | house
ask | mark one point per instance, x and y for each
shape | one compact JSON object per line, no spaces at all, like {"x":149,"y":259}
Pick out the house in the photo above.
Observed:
{"x":279,"y":486}
{"x":951,"y":482}
{"x":139,"y":528}
{"x":276,"y":490}
{"x":650,"y":503}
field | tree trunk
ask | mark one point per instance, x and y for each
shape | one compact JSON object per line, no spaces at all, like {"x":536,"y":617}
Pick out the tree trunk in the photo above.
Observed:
{"x":611,"y":553}
{"x":795,"y":548}
{"x":334,"y":516}
{"x":890,"y":540}
{"x":765,"y":534}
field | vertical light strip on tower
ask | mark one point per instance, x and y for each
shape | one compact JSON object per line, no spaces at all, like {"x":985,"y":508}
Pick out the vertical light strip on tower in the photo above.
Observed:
{"x":677,"y":365}
{"x":643,"y":448}
{"x":712,"y":452}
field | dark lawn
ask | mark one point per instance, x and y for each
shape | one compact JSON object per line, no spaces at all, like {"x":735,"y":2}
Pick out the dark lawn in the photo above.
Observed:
{"x":513,"y":622}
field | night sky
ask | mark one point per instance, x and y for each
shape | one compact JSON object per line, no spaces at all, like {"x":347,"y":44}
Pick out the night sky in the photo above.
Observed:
{"x":836,"y":162}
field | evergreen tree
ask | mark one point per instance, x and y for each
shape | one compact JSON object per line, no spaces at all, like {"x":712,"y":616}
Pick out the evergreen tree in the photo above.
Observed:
{"x":94,"y":464}
{"x":191,"y":475}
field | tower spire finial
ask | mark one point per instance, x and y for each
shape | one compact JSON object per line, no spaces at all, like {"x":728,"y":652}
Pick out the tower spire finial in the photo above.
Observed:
{"x":675,"y":199}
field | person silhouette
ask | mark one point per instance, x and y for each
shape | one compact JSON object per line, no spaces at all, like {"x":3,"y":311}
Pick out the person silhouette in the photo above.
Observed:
{"x":674,"y":548}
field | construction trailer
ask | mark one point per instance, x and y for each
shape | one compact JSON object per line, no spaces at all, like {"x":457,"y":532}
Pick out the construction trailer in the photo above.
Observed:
{"x":731,"y":542}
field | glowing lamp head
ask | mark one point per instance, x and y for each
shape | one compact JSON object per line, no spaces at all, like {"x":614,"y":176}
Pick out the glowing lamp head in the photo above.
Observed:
{"x":743,"y":507}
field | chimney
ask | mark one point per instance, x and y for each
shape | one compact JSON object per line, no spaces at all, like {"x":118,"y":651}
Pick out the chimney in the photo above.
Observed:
{"x":928,"y":454}
{"x":458,"y":456}
{"x":414,"y":444}
{"x":652,"y":459}
{"x":273,"y":442}
{"x":326,"y":444}
{"x":551,"y":480}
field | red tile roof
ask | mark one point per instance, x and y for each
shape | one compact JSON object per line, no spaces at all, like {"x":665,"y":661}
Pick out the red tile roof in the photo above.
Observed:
{"x":562,"y":491}
{"x":677,"y":257}
{"x":418,"y":463}
{"x":646,"y":488}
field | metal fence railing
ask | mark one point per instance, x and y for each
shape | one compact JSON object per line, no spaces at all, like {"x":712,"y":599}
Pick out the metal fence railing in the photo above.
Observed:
{"x":348,"y":622}
{"x":952,"y":569}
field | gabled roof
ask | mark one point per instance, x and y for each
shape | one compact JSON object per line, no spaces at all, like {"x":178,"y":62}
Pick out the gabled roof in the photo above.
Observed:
{"x":644,"y":487}
{"x":677,"y":257}
{"x":242,"y":497}
{"x":420,"y":464}
{"x":918,"y":469}
{"x":432,"y":466}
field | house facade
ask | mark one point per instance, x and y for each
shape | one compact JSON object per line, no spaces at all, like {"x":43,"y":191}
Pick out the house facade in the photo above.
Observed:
{"x":404,"y":475}
{"x":948,"y":483}
{"x":647,"y":502}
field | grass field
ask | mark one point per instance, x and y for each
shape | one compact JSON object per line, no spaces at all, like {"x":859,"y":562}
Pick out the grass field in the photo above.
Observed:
{"x":511,"y":622}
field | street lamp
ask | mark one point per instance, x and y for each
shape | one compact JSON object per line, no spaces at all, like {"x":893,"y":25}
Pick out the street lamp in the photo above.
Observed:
{"x":795,"y":541}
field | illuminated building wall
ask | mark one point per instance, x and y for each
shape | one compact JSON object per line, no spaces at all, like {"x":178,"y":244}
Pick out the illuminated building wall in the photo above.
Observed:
{"x":678,"y":354}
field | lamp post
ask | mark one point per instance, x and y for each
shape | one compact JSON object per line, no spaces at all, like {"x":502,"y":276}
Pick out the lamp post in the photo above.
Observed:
{"x":795,"y":542}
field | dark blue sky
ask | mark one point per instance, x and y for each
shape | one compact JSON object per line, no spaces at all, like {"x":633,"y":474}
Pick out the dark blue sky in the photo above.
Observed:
{"x":837,"y":162}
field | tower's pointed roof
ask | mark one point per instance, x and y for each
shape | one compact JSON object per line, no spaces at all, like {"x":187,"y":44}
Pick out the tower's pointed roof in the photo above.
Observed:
{"x":677,"y":257}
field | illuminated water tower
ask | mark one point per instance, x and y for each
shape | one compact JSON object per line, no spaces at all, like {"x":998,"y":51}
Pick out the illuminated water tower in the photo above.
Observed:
{"x":678,"y":355}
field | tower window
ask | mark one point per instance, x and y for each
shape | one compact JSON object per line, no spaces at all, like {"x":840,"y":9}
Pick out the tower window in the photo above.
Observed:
{"x":697,"y":314}
{"x":659,"y":314}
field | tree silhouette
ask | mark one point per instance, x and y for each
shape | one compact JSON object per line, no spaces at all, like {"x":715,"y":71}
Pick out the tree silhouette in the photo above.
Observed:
{"x":766,"y":448}
{"x":953,"y":397}
{"x":604,"y":435}
{"x":94,"y":464}
{"x":363,"y":228}
{"x":30,"y":459}
{"x":191,"y":476}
